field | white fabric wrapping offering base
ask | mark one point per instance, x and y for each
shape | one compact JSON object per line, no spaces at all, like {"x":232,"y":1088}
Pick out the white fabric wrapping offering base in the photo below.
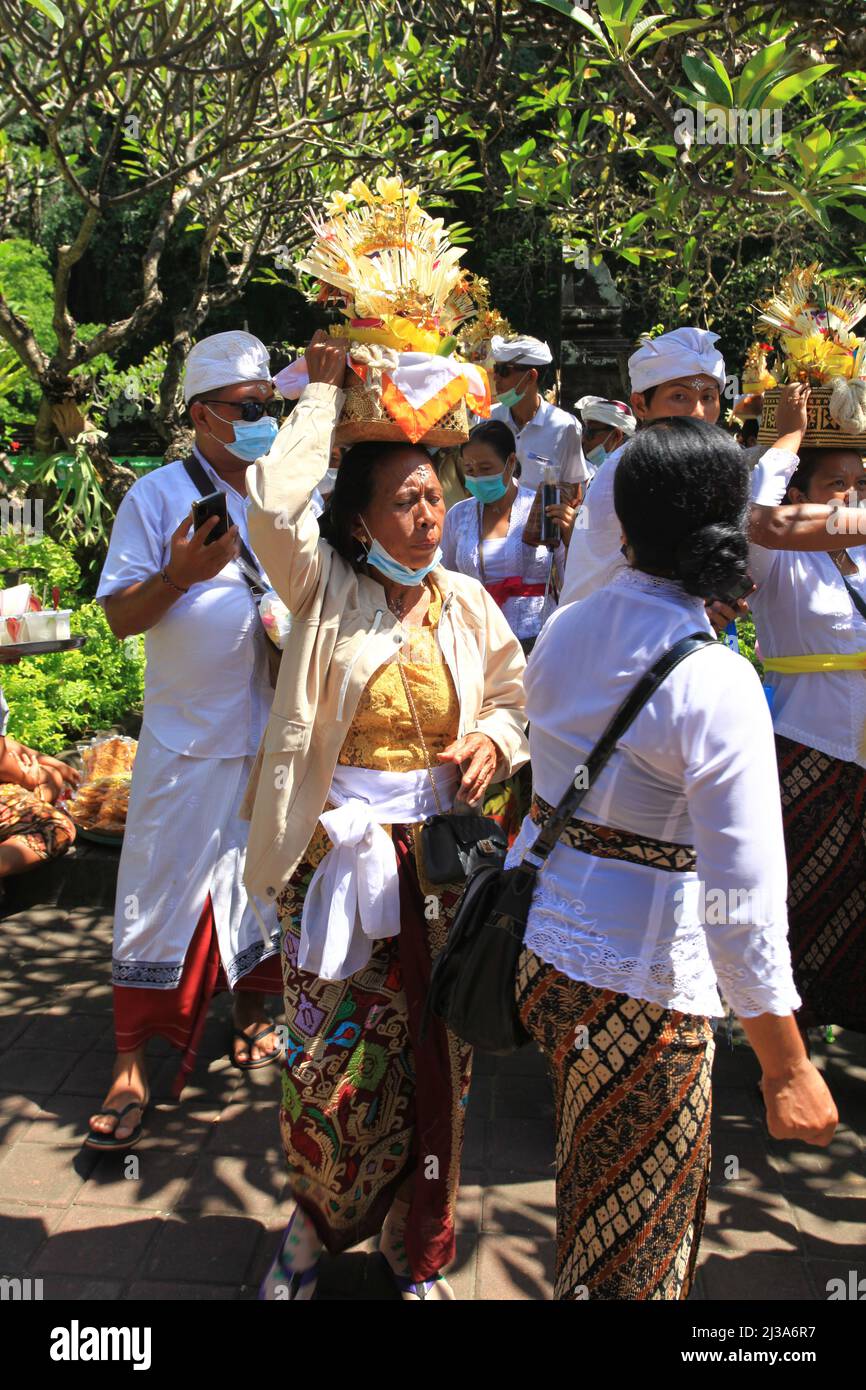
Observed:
{"x":419,"y":376}
{"x":354,"y":895}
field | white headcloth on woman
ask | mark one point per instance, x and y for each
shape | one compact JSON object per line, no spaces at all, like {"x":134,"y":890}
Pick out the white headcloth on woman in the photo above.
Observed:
{"x":224,"y":359}
{"x":684,"y":352}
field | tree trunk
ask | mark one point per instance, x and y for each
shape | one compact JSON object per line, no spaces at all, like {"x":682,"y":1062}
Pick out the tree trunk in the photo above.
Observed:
{"x":116,"y":480}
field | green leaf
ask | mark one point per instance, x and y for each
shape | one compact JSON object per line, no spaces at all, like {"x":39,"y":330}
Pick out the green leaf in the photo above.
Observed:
{"x":649,"y":22}
{"x":628,"y":255}
{"x":792,"y":86}
{"x":580,"y":17}
{"x":337,"y":36}
{"x":633,"y":223}
{"x":706,"y":82}
{"x":50,"y":10}
{"x":632,"y":10}
{"x":689,"y":251}
{"x":667,"y":31}
{"x":722,"y":76}
{"x":814,"y":209}
{"x":854,"y":152}
{"x":756,"y":68}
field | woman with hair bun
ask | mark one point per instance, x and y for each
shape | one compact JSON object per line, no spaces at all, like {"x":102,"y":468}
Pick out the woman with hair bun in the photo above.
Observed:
{"x":810,"y":617}
{"x":666,"y":888}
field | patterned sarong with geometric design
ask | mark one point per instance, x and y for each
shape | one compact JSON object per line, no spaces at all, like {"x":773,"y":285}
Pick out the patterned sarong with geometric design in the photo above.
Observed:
{"x":632,"y":1097}
{"x":824,"y":816}
{"x":606,"y":842}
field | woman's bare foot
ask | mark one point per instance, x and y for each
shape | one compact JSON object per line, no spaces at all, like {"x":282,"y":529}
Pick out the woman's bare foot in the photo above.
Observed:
{"x":251,"y":1016}
{"x":129,"y":1083}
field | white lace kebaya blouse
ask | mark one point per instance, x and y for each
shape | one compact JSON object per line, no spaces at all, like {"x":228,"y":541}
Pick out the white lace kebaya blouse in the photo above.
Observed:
{"x":460,"y":552}
{"x":697,"y":767}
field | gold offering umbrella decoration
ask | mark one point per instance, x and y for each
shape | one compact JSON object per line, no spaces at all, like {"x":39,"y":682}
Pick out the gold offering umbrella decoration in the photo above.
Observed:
{"x":474,"y":340}
{"x":391,"y":267}
{"x":808,"y":323}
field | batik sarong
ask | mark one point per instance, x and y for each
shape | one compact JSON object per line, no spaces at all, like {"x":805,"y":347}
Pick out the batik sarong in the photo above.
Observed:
{"x":632,"y":1098}
{"x":45,"y":829}
{"x":366,"y":1104}
{"x":824,"y":814}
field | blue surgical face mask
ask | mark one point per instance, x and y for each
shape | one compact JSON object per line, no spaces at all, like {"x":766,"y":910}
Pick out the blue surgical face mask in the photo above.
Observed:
{"x":378,"y":557}
{"x":488,"y":489}
{"x":251,"y":440}
{"x":598,"y":455}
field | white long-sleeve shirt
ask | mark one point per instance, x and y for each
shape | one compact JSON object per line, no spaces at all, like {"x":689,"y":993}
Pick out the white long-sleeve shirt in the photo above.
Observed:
{"x":697,"y":767}
{"x":595,"y":549}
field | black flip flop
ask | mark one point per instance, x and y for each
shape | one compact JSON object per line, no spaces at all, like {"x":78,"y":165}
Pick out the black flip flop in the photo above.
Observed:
{"x":250,"y":1044}
{"x":95,"y":1140}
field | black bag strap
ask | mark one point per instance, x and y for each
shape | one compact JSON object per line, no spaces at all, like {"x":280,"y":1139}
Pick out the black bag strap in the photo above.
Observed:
{"x":625,"y":715}
{"x":855,"y":597}
{"x":202,"y":482}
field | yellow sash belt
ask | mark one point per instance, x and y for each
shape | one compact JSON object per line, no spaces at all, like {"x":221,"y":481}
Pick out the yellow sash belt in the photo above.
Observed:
{"x":803,"y":665}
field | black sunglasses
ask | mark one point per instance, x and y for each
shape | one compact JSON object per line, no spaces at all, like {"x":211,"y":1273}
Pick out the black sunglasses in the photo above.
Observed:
{"x":250,"y":410}
{"x":508,"y":368}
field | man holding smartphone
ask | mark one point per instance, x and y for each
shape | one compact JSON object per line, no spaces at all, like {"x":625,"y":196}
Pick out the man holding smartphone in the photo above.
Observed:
{"x":183,"y":924}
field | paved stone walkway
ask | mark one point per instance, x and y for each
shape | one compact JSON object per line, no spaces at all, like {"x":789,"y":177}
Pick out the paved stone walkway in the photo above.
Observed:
{"x":198,"y":1214}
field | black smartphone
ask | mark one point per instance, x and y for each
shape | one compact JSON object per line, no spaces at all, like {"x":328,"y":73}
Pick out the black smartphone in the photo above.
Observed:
{"x":212,"y":505}
{"x":738,"y":591}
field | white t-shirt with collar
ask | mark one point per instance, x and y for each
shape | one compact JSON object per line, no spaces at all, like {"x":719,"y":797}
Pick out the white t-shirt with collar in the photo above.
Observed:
{"x":206,"y":688}
{"x":550,"y":434}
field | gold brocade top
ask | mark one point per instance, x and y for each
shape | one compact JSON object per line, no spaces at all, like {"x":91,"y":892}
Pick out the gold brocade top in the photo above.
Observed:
{"x":383,"y":735}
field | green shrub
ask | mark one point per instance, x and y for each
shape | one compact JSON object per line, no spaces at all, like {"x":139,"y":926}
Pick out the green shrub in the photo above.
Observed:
{"x":746,"y":635}
{"x":59,"y":698}
{"x":26,"y":285}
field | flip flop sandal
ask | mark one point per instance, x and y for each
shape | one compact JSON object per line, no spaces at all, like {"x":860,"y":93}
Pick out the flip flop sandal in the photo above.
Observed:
{"x":301,"y":1283}
{"x":95,"y":1140}
{"x":250,"y":1044}
{"x":282,"y":1275}
{"x":421,"y":1288}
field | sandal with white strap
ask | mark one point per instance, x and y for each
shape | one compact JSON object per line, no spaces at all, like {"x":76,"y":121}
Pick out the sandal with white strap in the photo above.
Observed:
{"x":415,"y":1290}
{"x":285,"y":1284}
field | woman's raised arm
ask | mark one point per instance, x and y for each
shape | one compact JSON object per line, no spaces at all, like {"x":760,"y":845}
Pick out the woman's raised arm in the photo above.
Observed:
{"x":283,"y":528}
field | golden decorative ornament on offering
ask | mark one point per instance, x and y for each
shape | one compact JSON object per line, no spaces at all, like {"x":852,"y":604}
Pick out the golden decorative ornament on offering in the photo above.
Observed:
{"x":396,"y":275}
{"x":809,"y":319}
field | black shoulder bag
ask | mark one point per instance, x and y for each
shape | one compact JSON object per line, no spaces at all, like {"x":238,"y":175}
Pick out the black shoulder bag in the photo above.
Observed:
{"x":202,"y":482}
{"x":472,"y":985}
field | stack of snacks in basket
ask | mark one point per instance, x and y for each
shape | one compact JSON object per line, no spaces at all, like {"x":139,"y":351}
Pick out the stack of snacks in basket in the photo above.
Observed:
{"x":101,"y":800}
{"x":396,"y":277}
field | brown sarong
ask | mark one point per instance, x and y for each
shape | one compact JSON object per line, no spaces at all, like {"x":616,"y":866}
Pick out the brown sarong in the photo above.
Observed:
{"x":632,"y":1096}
